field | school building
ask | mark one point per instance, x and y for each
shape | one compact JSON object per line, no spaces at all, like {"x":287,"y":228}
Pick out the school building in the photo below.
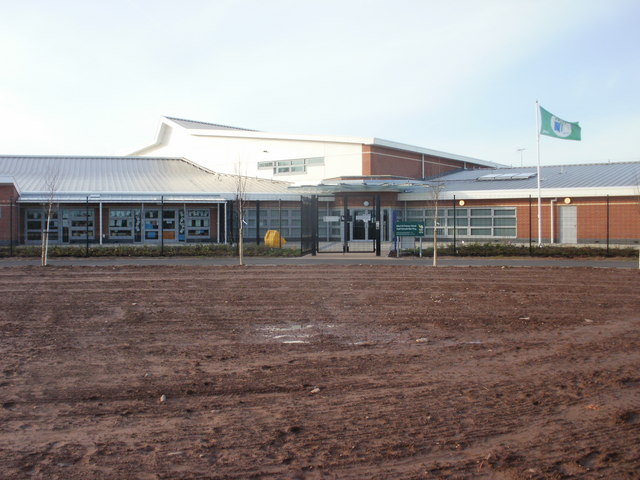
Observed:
{"x":337,"y":193}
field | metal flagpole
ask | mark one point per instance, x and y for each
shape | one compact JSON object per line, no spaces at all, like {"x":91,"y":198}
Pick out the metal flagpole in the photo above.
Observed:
{"x":538,"y":175}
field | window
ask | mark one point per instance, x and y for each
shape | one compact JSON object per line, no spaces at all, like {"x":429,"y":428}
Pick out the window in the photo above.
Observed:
{"x":298,"y":165}
{"x":198,"y":224}
{"x":285,"y":220}
{"x":124,"y":224}
{"x":35,"y":225}
{"x":468,"y":222}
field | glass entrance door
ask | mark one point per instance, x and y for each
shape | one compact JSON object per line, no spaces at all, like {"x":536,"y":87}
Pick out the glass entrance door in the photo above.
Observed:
{"x":363,"y":226}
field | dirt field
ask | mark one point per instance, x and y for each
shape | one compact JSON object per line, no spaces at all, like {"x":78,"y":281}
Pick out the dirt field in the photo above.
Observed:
{"x":319,"y":372}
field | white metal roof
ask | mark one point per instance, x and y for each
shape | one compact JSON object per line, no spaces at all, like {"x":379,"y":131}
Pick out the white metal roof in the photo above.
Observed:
{"x":194,"y":124}
{"x":129,"y":179}
{"x":622,"y":179}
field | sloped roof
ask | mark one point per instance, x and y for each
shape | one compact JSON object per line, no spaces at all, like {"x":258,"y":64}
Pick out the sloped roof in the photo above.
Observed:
{"x":566,"y":180}
{"x":194,"y":124}
{"x":557,"y":176}
{"x":132,"y":178}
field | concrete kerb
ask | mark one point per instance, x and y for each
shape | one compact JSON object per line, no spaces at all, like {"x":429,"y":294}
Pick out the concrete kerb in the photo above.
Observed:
{"x":330,"y":259}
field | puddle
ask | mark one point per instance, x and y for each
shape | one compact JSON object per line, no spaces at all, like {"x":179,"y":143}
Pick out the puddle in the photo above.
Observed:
{"x":290,"y":328}
{"x":296,"y":333}
{"x":304,"y":335}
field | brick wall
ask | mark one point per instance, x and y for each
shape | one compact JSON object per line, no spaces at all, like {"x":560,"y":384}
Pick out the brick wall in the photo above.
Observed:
{"x":8,"y":195}
{"x":378,"y":160}
{"x":623,"y":218}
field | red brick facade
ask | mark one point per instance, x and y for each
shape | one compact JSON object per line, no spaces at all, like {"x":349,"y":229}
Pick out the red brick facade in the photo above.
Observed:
{"x":597,"y":218}
{"x":378,"y":160}
{"x":9,"y":213}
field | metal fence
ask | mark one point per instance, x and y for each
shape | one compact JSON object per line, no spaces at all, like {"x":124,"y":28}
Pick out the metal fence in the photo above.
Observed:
{"x":606,"y":222}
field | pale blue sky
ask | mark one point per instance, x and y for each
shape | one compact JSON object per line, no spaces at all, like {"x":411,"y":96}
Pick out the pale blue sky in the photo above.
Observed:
{"x":94,"y":77}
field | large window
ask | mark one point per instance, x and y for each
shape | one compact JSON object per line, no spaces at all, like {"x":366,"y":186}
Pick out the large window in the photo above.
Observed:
{"x":77,"y":224}
{"x":71,"y":225}
{"x":124,"y":224}
{"x":481,"y":222}
{"x":198,"y":224}
{"x":36,"y":221}
{"x":286,"y":220}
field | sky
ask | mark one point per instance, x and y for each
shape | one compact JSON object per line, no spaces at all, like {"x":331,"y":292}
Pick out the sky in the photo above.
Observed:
{"x":88,"y":77}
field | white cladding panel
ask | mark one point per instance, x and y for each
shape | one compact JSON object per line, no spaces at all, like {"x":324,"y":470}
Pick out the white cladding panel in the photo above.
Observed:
{"x":223,"y":154}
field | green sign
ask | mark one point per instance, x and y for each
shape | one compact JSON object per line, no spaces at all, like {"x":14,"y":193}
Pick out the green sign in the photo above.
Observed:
{"x":409,"y":229}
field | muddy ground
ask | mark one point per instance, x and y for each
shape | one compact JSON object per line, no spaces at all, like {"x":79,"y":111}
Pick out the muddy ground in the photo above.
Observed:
{"x":319,"y":372}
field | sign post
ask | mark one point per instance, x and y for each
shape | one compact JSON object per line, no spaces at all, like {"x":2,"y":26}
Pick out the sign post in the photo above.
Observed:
{"x":409,"y":229}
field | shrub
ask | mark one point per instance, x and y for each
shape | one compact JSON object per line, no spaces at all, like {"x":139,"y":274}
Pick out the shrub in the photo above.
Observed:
{"x":121,"y":250}
{"x":511,"y":250}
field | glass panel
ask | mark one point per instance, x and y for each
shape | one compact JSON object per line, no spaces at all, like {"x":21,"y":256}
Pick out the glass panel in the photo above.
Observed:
{"x":460,"y":212}
{"x":480,"y":222}
{"x":198,"y":213}
{"x":481,"y":231}
{"x":504,"y":232}
{"x":504,"y":222}
{"x":505,"y":212}
{"x":198,"y":223}
{"x":480,"y":212}
{"x":81,"y":223}
{"x":120,"y":213}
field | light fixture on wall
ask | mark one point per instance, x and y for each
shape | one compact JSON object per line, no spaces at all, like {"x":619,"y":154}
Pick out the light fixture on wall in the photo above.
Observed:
{"x":567,"y":200}
{"x":365,"y":203}
{"x":461,"y":203}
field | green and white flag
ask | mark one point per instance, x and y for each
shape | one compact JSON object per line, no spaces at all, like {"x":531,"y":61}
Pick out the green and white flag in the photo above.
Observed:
{"x":556,"y":127}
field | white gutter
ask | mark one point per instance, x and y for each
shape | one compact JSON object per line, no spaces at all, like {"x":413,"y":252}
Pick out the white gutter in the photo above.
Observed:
{"x":520,"y":193}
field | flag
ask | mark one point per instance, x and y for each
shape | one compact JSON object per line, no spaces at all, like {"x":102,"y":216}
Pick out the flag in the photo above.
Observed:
{"x":556,"y":127}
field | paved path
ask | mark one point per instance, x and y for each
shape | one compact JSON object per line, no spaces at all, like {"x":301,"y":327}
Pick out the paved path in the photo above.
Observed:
{"x":331,"y":259}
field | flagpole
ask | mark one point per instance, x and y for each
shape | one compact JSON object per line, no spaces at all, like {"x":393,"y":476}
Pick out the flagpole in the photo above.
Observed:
{"x":538,"y":175}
